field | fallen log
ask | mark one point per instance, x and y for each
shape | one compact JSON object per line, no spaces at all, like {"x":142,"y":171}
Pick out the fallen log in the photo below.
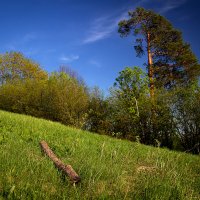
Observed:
{"x":66,"y":169}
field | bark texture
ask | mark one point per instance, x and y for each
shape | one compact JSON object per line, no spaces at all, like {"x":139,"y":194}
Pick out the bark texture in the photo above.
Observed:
{"x":66,"y":169}
{"x":150,"y":66}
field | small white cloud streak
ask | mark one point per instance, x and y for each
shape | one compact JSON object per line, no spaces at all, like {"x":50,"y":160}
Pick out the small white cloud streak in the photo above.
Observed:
{"x":95,"y":63}
{"x":103,"y":27}
{"x":170,"y":5}
{"x":70,"y":58}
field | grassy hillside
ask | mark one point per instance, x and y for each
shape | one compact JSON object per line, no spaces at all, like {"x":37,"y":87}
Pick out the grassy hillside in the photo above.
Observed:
{"x":109,"y":168}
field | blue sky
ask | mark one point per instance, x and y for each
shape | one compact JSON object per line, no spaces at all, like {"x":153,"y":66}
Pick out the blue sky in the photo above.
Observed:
{"x":82,"y":34}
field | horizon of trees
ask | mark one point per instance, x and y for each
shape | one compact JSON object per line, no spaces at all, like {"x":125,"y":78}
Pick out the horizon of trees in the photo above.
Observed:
{"x":160,"y":107}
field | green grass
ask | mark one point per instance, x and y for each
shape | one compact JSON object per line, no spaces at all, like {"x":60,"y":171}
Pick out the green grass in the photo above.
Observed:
{"x":109,"y":168}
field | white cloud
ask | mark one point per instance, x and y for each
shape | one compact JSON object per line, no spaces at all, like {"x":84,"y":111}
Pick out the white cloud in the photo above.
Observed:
{"x":104,"y":26}
{"x":170,"y":5}
{"x":95,"y":63}
{"x":70,"y":58}
{"x":101,"y":28}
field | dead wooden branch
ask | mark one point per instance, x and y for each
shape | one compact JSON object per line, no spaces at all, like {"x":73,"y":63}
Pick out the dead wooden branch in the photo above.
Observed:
{"x":66,"y":169}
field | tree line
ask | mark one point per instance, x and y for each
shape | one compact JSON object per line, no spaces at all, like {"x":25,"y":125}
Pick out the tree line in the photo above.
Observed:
{"x":26,"y":88}
{"x":159,"y":107}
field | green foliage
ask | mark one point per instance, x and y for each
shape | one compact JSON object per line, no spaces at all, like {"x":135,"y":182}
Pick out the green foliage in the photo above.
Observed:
{"x":129,"y":93}
{"x":109,"y":168}
{"x":23,"y":97}
{"x":14,"y":67}
{"x":186,"y":114}
{"x":132,"y":82}
{"x":98,"y":113}
{"x":172,"y":120}
{"x":66,"y":100}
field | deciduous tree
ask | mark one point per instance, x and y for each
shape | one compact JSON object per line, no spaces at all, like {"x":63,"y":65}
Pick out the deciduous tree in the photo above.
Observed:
{"x":14,"y":67}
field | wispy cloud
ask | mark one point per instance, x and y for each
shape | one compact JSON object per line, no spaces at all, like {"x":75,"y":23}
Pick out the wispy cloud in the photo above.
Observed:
{"x":104,"y":26}
{"x":70,"y":58}
{"x":95,"y":63}
{"x":101,"y":28}
{"x":170,"y":5}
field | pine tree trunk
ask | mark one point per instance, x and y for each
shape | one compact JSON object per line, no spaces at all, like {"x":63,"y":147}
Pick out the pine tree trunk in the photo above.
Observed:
{"x":152,"y":86}
{"x":150,"y":68}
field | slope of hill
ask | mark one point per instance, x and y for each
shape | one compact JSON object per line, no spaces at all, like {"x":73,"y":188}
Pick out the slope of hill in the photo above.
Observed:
{"x":109,"y":168}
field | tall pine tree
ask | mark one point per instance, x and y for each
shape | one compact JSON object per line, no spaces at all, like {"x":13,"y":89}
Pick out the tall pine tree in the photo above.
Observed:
{"x":170,"y":59}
